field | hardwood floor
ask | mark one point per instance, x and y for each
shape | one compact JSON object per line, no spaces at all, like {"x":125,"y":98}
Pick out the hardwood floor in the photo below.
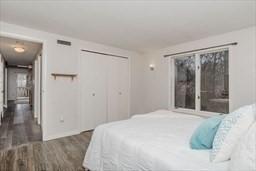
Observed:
{"x":21,"y":147}
{"x":18,"y":126}
{"x":63,"y":154}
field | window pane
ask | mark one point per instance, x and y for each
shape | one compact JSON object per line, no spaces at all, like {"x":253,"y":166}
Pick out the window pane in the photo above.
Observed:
{"x":21,"y":80}
{"x":185,"y":82}
{"x":214,"y":82}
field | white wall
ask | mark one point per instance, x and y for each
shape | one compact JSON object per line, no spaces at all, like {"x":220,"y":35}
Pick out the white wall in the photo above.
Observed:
{"x":11,"y":83}
{"x":242,"y":69}
{"x":60,"y":98}
{"x":138,"y":85}
{"x":149,"y":89}
{"x":254,"y":54}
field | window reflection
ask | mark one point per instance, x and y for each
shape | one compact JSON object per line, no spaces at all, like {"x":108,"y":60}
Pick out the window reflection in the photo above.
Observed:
{"x":214,"y":82}
{"x":185,"y":82}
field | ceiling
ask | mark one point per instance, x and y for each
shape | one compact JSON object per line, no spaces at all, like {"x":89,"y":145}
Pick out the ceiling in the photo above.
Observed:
{"x":14,"y":58}
{"x":133,"y":25}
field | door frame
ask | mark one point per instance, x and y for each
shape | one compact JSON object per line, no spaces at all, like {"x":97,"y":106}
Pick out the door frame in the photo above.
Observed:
{"x":2,"y":91}
{"x":5,"y":86}
{"x":171,"y":75}
{"x":37,"y":87}
{"x":43,"y":70}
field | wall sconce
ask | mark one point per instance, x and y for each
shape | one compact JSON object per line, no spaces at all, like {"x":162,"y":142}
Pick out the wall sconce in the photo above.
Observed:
{"x":152,"y":67}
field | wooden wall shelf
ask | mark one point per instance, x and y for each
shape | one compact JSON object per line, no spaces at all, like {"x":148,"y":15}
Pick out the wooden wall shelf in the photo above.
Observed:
{"x":72,"y":76}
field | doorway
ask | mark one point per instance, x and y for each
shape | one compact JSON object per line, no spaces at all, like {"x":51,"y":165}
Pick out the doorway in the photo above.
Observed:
{"x":20,"y":81}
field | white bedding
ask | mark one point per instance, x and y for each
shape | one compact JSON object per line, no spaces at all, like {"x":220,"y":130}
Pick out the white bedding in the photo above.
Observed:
{"x":156,"y":141}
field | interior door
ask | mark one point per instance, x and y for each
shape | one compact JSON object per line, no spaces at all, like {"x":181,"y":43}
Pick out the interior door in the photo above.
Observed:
{"x":123,"y":91}
{"x":93,"y":90}
{"x":39,"y":59}
{"x":5,"y":87}
{"x":1,"y":86}
{"x":118,"y":89}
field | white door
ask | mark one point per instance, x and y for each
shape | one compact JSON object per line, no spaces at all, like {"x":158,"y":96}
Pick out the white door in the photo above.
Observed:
{"x":1,"y":86}
{"x":118,"y":89}
{"x":39,"y":60}
{"x":35,"y":99}
{"x":5,"y":87}
{"x":93,"y":102}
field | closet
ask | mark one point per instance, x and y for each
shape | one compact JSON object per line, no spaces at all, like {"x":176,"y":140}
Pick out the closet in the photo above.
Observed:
{"x":104,"y":89}
{"x":118,"y":87}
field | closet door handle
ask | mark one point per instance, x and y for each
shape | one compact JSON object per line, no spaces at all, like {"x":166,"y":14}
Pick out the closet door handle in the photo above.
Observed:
{"x":93,"y":94}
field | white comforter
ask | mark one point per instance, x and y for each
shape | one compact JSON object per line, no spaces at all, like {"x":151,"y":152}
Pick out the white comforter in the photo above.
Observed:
{"x":156,"y":141}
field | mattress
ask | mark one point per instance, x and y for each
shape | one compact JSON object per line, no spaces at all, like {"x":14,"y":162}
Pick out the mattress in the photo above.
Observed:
{"x":154,"y":141}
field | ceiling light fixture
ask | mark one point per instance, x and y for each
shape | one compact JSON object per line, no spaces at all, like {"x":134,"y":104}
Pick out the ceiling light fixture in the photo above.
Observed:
{"x":19,"y":49}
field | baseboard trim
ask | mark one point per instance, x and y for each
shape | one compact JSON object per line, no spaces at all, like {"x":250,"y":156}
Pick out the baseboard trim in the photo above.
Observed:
{"x":60,"y":135}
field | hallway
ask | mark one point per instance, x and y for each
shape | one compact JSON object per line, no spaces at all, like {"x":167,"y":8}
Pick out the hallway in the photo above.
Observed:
{"x":18,"y":126}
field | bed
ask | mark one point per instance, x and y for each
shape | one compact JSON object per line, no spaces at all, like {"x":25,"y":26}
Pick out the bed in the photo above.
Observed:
{"x":154,"y":141}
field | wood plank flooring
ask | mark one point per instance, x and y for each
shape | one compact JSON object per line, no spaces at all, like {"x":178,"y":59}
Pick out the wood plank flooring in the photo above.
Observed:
{"x":18,"y":126}
{"x":21,"y":148}
{"x":63,"y":154}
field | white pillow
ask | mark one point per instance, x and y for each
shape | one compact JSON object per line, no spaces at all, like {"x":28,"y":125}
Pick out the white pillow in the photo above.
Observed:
{"x":232,"y":127}
{"x":244,"y":155}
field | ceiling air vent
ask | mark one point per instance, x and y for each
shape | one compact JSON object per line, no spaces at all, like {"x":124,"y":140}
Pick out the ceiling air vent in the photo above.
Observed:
{"x":63,"y":42}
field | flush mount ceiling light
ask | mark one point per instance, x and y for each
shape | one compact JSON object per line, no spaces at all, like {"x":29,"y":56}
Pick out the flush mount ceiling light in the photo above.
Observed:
{"x":19,"y":49}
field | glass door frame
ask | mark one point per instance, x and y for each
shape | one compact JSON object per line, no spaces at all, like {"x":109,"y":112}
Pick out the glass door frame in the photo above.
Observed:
{"x":197,"y":110}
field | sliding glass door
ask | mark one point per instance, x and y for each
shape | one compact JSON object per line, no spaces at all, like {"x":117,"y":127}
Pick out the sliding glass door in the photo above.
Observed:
{"x":214,"y":82}
{"x":201,"y":82}
{"x":185,"y":82}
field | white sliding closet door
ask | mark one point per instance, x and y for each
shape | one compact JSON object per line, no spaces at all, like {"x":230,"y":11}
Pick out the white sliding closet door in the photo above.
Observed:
{"x":93,"y":77}
{"x":118,"y":89}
